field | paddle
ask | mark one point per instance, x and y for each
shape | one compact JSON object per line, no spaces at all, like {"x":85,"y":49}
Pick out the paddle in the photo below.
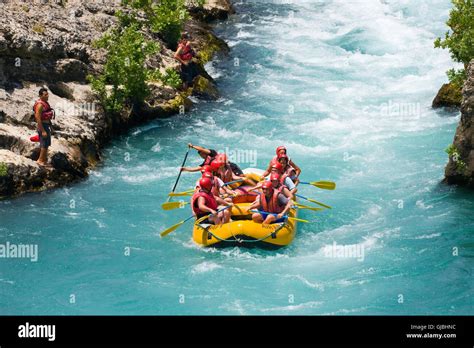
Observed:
{"x":173,"y":205}
{"x":174,"y":227}
{"x":198,"y":221}
{"x":180,"y":171}
{"x":285,"y":216}
{"x":233,"y":182}
{"x":325,"y":185}
{"x":190,"y":193}
{"x":313,"y":201}
{"x":179,"y":194}
{"x":302,"y":206}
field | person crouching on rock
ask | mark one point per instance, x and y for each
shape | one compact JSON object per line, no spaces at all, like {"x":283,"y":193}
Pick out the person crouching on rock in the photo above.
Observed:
{"x":185,"y":54}
{"x":43,"y":116}
{"x":204,"y":203}
{"x":270,"y":202}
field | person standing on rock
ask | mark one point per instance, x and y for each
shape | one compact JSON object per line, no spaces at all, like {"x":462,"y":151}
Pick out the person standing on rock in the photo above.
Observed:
{"x":185,"y":54}
{"x":43,"y":116}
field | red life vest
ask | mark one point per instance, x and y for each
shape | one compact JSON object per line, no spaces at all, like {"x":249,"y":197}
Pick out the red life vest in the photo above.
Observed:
{"x":210,"y":202}
{"x":47,"y":113}
{"x":186,"y":51}
{"x":288,"y":172}
{"x":273,"y":206}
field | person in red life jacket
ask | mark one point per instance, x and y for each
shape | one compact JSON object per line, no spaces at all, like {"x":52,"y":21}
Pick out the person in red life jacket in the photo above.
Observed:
{"x":275,"y":179}
{"x":284,"y":179}
{"x":208,"y":155}
{"x":185,"y":54}
{"x":270,"y":201}
{"x":218,"y":187}
{"x":250,"y":179}
{"x":277,"y":168}
{"x":226,"y":173}
{"x":282,"y":150}
{"x":43,"y":116}
{"x":288,"y":170}
{"x":204,"y":203}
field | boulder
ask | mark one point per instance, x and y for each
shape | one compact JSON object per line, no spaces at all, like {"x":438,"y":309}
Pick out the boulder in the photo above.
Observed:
{"x":449,"y":95}
{"x":211,"y":10}
{"x":204,"y":88}
{"x":460,"y":168}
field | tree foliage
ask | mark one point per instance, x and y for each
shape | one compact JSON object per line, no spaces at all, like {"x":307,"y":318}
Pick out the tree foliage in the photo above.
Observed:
{"x":165,"y":17}
{"x":459,"y":40}
{"x":125,"y":76}
{"x":124,"y":70}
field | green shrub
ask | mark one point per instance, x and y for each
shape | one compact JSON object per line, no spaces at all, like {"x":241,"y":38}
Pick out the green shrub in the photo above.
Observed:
{"x":453,"y":153}
{"x":127,"y":51}
{"x":457,"y":77}
{"x":38,"y":28}
{"x":460,"y":39}
{"x":3,"y":169}
{"x":166,"y":17}
{"x":170,"y":77}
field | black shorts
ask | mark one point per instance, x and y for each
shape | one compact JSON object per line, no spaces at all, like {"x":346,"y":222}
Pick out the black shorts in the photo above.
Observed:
{"x":205,"y":221}
{"x":188,"y":72}
{"x":45,"y":142}
{"x":236,"y":169}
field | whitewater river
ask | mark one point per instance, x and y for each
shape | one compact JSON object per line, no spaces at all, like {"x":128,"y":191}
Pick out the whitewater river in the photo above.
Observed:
{"x":347,"y":86}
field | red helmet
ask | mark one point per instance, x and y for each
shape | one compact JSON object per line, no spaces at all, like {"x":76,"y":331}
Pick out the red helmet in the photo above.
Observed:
{"x":279,"y":148}
{"x":215,"y":165}
{"x":205,"y":183}
{"x":267,"y":185}
{"x":277,"y":166}
{"x":208,"y":175}
{"x":206,"y":168}
{"x":275,"y":176}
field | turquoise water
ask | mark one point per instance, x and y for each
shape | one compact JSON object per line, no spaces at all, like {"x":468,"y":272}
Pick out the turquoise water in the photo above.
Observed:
{"x":347,"y":86}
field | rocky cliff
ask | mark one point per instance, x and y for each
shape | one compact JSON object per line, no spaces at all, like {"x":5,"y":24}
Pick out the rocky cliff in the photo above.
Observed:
{"x":49,"y":44}
{"x":460,"y":168}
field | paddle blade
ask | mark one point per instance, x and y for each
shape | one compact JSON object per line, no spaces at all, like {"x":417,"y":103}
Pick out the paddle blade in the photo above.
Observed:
{"x":171,"y":229}
{"x":180,"y":194}
{"x":325,"y":185}
{"x":297,"y":219}
{"x":198,"y":221}
{"x":173,"y":205}
{"x":319,"y":203}
{"x":301,"y":206}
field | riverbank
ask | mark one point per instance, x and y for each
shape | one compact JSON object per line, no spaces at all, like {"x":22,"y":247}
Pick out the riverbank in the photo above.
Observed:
{"x":57,"y":53}
{"x":460,"y":168}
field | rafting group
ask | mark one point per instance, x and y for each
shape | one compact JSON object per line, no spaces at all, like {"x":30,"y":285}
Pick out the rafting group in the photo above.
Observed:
{"x":251,"y":205}
{"x":223,"y":184}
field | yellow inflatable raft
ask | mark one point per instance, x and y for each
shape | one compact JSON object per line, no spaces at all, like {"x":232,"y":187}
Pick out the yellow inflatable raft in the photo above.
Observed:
{"x":243,"y":231}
